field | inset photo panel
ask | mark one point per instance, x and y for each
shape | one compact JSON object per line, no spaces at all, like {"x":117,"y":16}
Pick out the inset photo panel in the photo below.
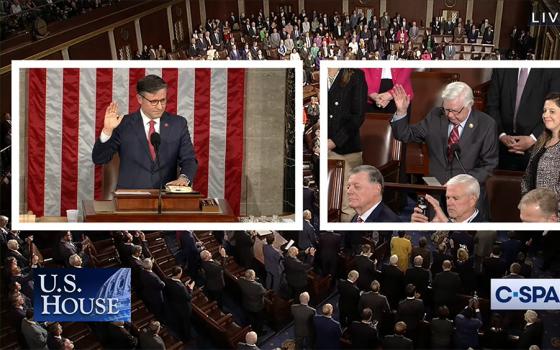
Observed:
{"x":137,"y":145}
{"x":440,"y":145}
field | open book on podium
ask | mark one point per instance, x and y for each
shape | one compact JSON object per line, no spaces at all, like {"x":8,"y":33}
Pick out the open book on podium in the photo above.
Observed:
{"x":142,"y":205}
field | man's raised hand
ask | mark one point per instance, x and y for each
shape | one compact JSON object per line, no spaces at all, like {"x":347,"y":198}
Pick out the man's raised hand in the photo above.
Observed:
{"x":112,"y":118}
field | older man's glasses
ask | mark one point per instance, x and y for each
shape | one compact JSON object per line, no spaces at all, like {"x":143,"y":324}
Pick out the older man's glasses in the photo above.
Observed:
{"x":451,"y":111}
{"x":154,"y":103}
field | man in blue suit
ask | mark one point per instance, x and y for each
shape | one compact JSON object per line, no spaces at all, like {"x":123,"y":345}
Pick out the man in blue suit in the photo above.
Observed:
{"x":130,"y":136}
{"x":327,"y":329}
{"x":365,"y":196}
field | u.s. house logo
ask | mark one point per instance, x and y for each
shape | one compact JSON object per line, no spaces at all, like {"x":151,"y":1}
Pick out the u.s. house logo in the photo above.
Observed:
{"x":81,"y":295}
{"x":525,"y":293}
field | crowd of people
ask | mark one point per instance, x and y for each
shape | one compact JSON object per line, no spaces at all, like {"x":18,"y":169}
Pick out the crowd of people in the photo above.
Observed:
{"x":416,"y":296}
{"x":312,"y":37}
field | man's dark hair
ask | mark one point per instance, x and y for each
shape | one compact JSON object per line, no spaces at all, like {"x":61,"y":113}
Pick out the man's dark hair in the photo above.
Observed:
{"x":366,"y":314}
{"x":150,"y":84}
{"x":29,"y":313}
{"x":410,"y":290}
{"x":270,"y":239}
{"x":175,"y":270}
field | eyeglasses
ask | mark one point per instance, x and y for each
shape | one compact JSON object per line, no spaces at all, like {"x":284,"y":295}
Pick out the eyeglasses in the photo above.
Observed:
{"x":454,"y":112}
{"x":154,"y":103}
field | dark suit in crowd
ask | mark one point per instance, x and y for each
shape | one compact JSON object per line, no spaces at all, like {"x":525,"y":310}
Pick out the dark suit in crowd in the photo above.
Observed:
{"x":328,"y":332}
{"x":348,"y":302}
{"x":178,"y":307}
{"x":252,"y":294}
{"x":304,"y":330}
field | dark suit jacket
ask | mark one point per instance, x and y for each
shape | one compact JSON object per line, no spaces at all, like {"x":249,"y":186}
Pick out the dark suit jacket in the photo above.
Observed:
{"x":397,"y":342}
{"x":307,"y":238}
{"x":411,"y":311}
{"x":296,"y":272}
{"x":137,"y":169}
{"x":244,"y":248}
{"x":346,"y":112}
{"x":382,"y":213}
{"x":303,"y":320}
{"x":252,"y":295}
{"x":532,"y":334}
{"x":214,"y":275}
{"x":376,"y":302}
{"x":152,"y":290}
{"x":479,"y":144}
{"x":328,"y":333}
{"x":446,"y":286}
{"x":367,"y":271}
{"x":150,"y":341}
{"x":393,"y":282}
{"x":442,"y":332}
{"x":418,"y":276}
{"x":119,"y":338}
{"x":500,"y":105}
{"x":363,"y":336}
{"x":178,"y":299}
{"x":349,"y":298}
{"x":273,"y":260}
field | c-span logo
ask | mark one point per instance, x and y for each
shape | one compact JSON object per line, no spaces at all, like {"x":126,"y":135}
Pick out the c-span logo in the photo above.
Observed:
{"x":81,"y":295}
{"x":525,"y":293}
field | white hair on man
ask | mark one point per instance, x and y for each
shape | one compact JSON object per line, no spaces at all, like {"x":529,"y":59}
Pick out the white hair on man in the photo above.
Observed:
{"x":531,"y":316}
{"x":471,"y":184}
{"x":458,"y":89}
{"x":147,"y":264}
{"x":394,"y":259}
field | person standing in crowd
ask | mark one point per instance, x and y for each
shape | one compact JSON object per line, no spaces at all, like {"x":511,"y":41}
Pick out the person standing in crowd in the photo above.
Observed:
{"x":515,"y":99}
{"x":542,"y":170}
{"x":346,"y":108}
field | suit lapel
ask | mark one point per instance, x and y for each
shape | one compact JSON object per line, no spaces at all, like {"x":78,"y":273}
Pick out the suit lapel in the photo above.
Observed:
{"x":375,"y":213}
{"x":468,"y":130}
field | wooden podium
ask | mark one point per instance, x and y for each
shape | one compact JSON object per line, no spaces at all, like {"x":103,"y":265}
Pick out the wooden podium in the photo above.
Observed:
{"x":142,"y":206}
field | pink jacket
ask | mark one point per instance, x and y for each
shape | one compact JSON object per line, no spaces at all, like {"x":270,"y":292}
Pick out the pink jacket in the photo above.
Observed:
{"x":399,"y":76}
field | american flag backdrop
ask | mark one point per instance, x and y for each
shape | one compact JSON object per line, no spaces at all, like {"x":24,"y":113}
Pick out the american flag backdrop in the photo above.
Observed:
{"x":66,"y":107}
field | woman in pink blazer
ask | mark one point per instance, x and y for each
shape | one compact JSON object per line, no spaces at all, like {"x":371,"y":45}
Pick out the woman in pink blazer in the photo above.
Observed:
{"x":380,"y":81}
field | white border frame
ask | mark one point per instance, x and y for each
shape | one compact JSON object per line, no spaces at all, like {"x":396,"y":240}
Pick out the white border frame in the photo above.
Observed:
{"x":454,"y":64}
{"x":62,"y":226}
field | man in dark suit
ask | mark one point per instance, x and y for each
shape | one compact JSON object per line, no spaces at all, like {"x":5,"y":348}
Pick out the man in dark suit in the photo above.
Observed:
{"x":398,"y":340}
{"x":329,"y":246}
{"x":273,"y":264}
{"x":376,"y":302}
{"x":131,"y":136}
{"x":244,"y":253}
{"x":462,"y":193}
{"x":118,"y":336}
{"x":307,"y":238}
{"x":296,"y":269}
{"x":392,"y":282}
{"x":252,"y":297}
{"x":214,"y":275}
{"x":418,"y":276}
{"x":363,"y":334}
{"x":446,"y":286}
{"x":250,"y":342}
{"x":178,"y":297}
{"x":366,"y":267}
{"x":152,"y":288}
{"x":303,"y":322}
{"x":13,"y":250}
{"x":454,"y":128}
{"x":494,"y":266}
{"x":349,"y":298}
{"x":149,"y":337}
{"x":327,"y":329}
{"x":533,"y":331}
{"x":411,"y":311}
{"x":518,"y":114}
{"x":365,"y":195}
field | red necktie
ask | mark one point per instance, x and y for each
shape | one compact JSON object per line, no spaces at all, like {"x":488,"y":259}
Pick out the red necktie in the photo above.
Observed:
{"x":452,"y":140}
{"x":150,"y":132}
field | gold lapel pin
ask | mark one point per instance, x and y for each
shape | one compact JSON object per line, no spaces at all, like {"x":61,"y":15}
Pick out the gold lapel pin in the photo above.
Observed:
{"x":471,"y":125}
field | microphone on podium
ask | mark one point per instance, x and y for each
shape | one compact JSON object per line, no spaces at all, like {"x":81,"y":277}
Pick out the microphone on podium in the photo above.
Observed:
{"x":456,"y":150}
{"x":155,"y":140}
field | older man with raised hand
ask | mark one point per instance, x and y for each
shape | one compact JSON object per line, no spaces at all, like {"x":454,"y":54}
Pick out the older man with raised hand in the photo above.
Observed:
{"x":462,"y":194}
{"x":457,"y":135}
{"x":365,"y":195}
